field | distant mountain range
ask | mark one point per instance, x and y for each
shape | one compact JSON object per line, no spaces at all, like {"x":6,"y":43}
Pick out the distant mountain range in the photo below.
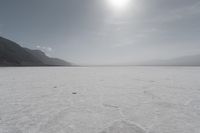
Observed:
{"x":190,"y":60}
{"x":12,"y":54}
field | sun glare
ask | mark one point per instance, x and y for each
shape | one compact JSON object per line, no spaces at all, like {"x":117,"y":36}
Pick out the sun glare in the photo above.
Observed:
{"x":119,"y":4}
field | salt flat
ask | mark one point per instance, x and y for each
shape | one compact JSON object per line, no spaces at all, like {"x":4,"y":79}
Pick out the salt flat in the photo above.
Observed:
{"x":100,"y":100}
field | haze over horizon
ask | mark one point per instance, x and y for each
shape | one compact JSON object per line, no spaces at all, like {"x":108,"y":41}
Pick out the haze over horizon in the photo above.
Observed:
{"x":104,"y":31}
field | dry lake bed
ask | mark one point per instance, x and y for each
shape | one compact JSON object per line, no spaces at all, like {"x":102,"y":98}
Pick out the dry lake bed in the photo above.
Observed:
{"x":100,"y":100}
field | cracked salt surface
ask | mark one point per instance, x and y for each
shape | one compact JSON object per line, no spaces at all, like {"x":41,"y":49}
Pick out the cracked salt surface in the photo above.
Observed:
{"x":100,"y":100}
{"x":123,"y":127}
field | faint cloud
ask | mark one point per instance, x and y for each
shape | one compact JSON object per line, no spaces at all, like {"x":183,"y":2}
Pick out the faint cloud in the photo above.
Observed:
{"x":146,"y":33}
{"x":179,"y":13}
{"x":44,"y":49}
{"x":116,"y":22}
{"x":38,"y":47}
{"x":49,"y":49}
{"x":124,"y":43}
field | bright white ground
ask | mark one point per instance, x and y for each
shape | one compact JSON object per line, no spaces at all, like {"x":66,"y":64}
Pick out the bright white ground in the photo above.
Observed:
{"x":106,"y":100}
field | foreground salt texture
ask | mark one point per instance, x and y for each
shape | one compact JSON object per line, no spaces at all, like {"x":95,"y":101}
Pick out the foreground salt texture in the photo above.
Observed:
{"x":100,"y":100}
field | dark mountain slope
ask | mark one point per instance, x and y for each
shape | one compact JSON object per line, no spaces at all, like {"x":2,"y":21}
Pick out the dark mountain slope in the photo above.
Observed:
{"x":12,"y":54}
{"x":47,"y":60}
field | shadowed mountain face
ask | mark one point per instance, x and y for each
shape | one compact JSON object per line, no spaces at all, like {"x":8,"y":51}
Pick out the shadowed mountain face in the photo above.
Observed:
{"x":12,"y":54}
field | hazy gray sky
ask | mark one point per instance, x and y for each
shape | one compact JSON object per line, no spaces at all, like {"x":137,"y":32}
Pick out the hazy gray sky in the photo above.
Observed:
{"x":104,"y":31}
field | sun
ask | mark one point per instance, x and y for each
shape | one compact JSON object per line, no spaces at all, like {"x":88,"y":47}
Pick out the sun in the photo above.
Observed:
{"x":119,"y":4}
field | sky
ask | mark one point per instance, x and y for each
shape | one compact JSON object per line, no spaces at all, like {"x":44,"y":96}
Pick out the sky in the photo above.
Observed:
{"x":104,"y":31}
